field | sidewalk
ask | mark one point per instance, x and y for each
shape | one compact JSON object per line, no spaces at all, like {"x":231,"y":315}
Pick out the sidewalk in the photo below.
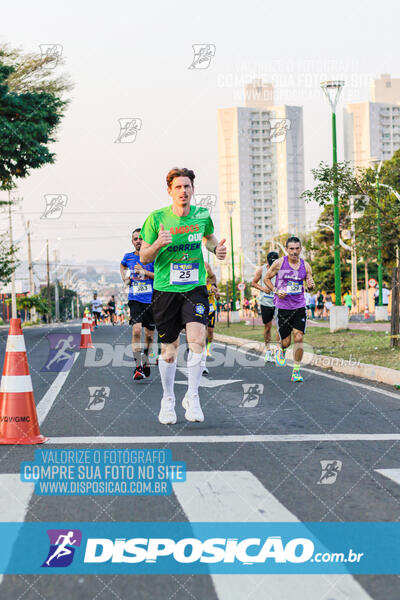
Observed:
{"x":368,"y":325}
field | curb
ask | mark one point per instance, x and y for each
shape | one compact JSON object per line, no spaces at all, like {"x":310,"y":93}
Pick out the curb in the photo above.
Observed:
{"x":331,"y":363}
{"x":38,"y":325}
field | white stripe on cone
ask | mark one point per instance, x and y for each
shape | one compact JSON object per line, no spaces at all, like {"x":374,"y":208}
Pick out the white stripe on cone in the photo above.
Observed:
{"x":85,"y":331}
{"x":16,"y":383}
{"x":15,"y":343}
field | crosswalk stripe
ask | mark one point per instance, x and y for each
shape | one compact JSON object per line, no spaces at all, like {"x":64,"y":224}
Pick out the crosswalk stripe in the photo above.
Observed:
{"x":14,"y":499}
{"x":222,"y":496}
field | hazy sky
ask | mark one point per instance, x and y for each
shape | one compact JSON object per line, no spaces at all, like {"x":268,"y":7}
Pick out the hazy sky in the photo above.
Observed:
{"x":130,"y":60}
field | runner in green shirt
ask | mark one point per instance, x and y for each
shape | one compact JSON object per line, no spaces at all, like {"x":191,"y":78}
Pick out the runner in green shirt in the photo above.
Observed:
{"x":172,"y":238}
{"x":348,"y":300}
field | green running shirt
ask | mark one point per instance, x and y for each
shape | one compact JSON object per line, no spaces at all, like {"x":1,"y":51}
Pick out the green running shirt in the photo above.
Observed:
{"x":179,"y":267}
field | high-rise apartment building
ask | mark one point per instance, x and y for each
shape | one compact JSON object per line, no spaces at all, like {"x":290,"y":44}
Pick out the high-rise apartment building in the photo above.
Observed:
{"x":261,"y":174}
{"x":372,"y":129}
{"x":385,"y":89}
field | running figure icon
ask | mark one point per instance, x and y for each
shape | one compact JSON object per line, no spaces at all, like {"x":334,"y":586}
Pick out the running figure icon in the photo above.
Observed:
{"x":62,"y":549}
{"x":62,"y":346}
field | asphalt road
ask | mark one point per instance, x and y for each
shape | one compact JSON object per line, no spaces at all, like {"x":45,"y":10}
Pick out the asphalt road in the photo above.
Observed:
{"x":278,"y":462}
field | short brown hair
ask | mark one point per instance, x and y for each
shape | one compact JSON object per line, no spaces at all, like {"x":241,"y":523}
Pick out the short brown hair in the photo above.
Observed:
{"x":177,"y":172}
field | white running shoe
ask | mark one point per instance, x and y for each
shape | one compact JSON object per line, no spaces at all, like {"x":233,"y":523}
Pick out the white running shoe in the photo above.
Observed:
{"x":167,"y":414}
{"x":205,"y":370}
{"x":191,"y":404}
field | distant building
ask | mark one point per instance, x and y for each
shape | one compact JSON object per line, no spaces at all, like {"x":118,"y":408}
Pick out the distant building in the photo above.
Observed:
{"x":386,"y":90}
{"x":372,"y":129}
{"x":21,"y":287}
{"x":261,"y":170}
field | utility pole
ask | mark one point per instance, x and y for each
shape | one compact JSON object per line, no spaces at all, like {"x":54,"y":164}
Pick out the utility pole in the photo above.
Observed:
{"x":48,"y":283}
{"x":30,"y":271}
{"x":56,"y":294}
{"x":57,"y":299}
{"x":395,"y":320}
{"x":30,"y":266}
{"x":378,"y":226}
{"x":13,"y":293}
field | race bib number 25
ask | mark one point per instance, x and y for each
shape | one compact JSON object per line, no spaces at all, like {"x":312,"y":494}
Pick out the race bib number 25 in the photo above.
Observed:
{"x":184,"y":273}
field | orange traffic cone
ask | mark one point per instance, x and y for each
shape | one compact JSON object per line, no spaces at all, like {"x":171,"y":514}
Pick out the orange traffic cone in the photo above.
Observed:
{"x":86,"y":337}
{"x":90,"y":319}
{"x":18,"y":418}
{"x":366,"y":312}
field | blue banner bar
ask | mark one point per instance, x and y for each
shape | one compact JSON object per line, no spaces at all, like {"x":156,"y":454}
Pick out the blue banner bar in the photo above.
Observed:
{"x":192,"y":548}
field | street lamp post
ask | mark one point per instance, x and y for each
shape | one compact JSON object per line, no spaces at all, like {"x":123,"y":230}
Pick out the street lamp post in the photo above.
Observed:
{"x":230,"y":205}
{"x":332,"y":90}
{"x":338,"y":318}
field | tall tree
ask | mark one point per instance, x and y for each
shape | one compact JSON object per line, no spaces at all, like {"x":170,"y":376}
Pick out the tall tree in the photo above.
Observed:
{"x":360,"y":186}
{"x":27,"y":124}
{"x":31,"y":107}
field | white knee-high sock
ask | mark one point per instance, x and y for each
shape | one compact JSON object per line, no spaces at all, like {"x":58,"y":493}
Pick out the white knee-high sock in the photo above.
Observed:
{"x":195,"y":369}
{"x":167,"y":374}
{"x":204,"y":358}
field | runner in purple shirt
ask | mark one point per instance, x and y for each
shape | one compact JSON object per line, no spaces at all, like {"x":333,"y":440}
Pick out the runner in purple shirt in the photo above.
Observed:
{"x":291,"y":272}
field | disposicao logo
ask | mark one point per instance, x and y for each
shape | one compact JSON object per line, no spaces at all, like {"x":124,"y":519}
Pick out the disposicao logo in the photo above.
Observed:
{"x":191,"y":550}
{"x":62,"y":547}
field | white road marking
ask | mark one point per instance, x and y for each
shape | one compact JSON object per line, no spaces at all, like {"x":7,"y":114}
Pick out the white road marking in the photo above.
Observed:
{"x":229,"y":496}
{"x":45,"y":404}
{"x":207,"y":383}
{"x":228,"y":439}
{"x":393,"y":474}
{"x":14,"y":499}
{"x":342,"y":379}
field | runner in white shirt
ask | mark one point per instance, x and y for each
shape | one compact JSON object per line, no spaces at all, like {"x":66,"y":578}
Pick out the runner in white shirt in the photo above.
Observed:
{"x":97,"y":306}
{"x":385,"y":295}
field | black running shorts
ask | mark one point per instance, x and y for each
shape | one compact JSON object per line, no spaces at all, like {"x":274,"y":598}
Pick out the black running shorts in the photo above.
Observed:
{"x":141,"y":313}
{"x":267,"y":313}
{"x":291,"y":319}
{"x":172,"y":310}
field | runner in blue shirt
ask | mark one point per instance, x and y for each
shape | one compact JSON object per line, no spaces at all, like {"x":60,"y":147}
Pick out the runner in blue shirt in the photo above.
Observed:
{"x":140,"y":281}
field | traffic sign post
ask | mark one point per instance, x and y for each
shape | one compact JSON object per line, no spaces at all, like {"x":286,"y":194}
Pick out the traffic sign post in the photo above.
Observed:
{"x":241,"y":288}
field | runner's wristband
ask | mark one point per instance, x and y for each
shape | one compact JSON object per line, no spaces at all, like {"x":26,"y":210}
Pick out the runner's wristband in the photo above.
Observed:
{"x":214,"y":249}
